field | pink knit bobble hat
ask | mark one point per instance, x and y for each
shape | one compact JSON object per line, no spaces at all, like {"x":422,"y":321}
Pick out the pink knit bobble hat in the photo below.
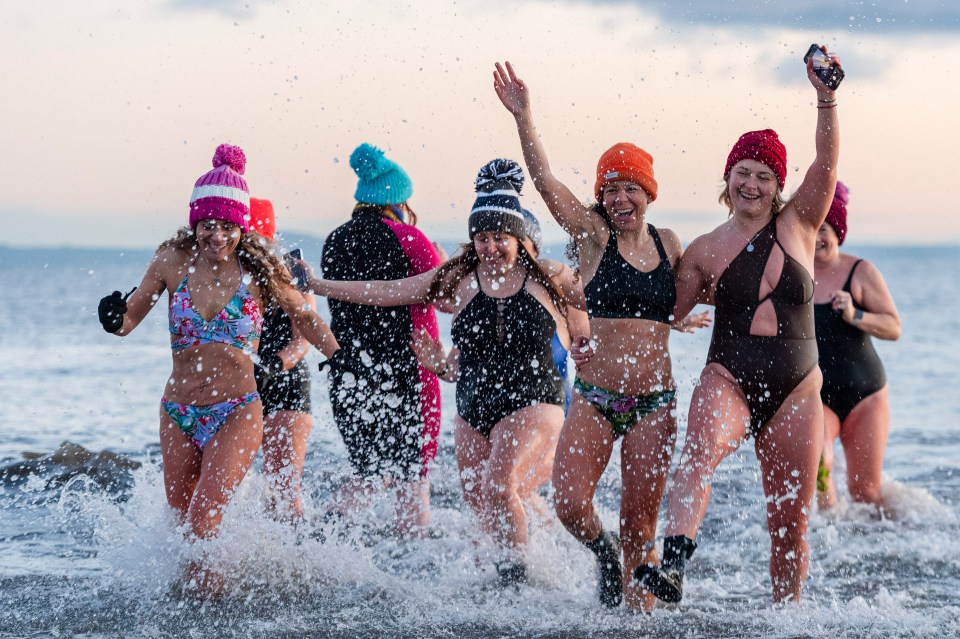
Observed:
{"x":222,"y":194}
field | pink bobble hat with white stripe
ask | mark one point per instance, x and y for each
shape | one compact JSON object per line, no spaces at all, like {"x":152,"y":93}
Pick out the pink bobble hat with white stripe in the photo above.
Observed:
{"x":222,"y":194}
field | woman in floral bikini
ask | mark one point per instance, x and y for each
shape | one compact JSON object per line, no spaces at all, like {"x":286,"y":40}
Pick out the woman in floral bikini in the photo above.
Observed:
{"x":211,"y":416}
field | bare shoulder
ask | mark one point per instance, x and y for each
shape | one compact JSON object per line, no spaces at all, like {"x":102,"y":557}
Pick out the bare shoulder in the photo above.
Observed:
{"x":866,"y":271}
{"x":671,"y":242}
{"x":170,"y":263}
{"x":553,"y":268}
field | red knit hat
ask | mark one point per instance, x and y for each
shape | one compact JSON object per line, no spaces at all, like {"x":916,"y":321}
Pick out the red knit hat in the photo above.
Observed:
{"x":763,"y":146}
{"x":837,"y":217}
{"x":262,"y":219}
{"x":625,"y":161}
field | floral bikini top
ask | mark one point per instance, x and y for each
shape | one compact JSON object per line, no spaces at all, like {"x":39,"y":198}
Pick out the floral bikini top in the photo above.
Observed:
{"x":238,"y":324}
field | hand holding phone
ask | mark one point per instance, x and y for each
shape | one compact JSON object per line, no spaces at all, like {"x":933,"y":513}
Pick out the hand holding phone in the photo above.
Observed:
{"x":830,"y":73}
{"x":292,"y":260}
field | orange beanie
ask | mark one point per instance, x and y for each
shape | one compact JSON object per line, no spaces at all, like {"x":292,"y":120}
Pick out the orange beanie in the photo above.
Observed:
{"x":262,"y":219}
{"x":625,"y":161}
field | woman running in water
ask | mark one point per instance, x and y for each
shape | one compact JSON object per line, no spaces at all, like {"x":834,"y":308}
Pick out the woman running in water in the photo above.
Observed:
{"x":626,"y":390}
{"x":389,"y":416}
{"x":509,"y":394}
{"x":761,"y":379}
{"x":283,"y":382}
{"x":219,"y":276}
{"x":851,"y":305}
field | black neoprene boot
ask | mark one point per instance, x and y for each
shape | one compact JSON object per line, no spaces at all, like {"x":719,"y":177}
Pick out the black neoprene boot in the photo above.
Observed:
{"x":511,"y":573}
{"x":607,"y":549}
{"x":666,"y":580}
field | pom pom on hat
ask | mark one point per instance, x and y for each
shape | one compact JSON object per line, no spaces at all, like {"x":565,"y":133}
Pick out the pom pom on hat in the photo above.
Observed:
{"x":500,"y":170}
{"x":497,"y":207}
{"x":262,"y":218}
{"x":626,"y":162}
{"x":382,"y":181}
{"x":763,"y":146}
{"x":232,"y":156}
{"x":837,"y":216}
{"x":222,"y":193}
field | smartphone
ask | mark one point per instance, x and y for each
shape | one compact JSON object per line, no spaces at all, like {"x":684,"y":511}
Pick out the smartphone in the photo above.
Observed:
{"x":831,"y":74}
{"x":298,"y":272}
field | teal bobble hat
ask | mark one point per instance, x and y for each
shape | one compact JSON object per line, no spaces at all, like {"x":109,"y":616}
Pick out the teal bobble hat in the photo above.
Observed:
{"x":382,"y":181}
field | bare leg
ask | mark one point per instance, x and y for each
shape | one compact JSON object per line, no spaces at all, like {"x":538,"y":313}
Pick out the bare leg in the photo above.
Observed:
{"x":181,"y":466}
{"x":831,"y":429}
{"x":222,"y":466}
{"x":717,"y":425}
{"x":864,"y":437}
{"x":518,"y":444}
{"x":789,"y":448}
{"x":226,"y":460}
{"x":285,"y":435}
{"x":413,"y":507}
{"x":583,"y":452}
{"x":473,"y":450}
{"x":645,"y":461}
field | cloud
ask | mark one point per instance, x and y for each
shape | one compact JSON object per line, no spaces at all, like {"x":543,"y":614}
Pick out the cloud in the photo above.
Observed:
{"x":226,"y":8}
{"x":881,"y":16}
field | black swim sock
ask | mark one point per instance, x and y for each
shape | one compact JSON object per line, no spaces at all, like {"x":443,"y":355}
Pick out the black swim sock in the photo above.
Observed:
{"x":666,"y":580}
{"x":511,"y":573}
{"x":607,"y":549}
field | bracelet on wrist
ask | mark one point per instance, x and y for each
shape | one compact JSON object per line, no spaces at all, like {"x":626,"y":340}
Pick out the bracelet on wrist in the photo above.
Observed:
{"x":826,"y":106}
{"x":827,"y":101}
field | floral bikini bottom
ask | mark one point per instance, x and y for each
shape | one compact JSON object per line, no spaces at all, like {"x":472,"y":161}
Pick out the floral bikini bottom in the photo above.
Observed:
{"x":622,"y":411}
{"x":201,"y":423}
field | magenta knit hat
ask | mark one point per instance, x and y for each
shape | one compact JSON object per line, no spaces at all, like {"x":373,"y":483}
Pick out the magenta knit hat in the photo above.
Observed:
{"x":222,"y":194}
{"x":837,"y":215}
{"x":763,"y":146}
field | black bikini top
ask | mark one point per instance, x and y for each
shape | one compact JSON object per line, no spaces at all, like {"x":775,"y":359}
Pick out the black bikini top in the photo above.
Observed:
{"x":737,"y":296}
{"x":621,"y":291}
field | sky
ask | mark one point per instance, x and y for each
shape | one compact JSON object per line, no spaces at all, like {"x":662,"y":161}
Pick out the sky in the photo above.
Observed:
{"x":111,"y":110}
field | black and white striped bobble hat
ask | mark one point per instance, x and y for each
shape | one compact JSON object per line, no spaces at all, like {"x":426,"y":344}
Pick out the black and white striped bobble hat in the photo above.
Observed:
{"x":497,"y":207}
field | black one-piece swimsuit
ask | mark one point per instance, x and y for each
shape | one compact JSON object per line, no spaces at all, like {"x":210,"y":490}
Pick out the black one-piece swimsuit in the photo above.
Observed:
{"x":852,"y":370}
{"x":506,"y":358}
{"x":767,"y":368}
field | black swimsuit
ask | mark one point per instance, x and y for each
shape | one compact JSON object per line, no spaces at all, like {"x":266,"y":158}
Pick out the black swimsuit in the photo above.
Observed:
{"x":767,"y":368}
{"x":852,"y":370}
{"x":506,"y":359}
{"x":619,"y":290}
{"x":287,"y":390}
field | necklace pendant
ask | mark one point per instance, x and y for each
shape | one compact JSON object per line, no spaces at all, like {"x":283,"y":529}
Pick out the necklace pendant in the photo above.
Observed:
{"x":750,"y":247}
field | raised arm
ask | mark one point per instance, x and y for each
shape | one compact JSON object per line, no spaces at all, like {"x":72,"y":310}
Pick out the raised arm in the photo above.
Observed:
{"x":812,"y":200}
{"x":574,"y":217}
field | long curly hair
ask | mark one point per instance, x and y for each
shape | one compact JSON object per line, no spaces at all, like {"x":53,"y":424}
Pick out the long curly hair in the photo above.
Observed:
{"x":453,"y":271}
{"x":256,"y":257}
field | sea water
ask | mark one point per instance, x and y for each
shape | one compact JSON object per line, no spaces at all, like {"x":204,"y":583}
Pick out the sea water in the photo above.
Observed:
{"x":85,"y":556}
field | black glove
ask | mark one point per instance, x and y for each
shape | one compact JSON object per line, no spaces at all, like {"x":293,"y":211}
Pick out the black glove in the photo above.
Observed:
{"x":112,"y":309}
{"x":343,"y":363}
{"x":267,"y":367}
